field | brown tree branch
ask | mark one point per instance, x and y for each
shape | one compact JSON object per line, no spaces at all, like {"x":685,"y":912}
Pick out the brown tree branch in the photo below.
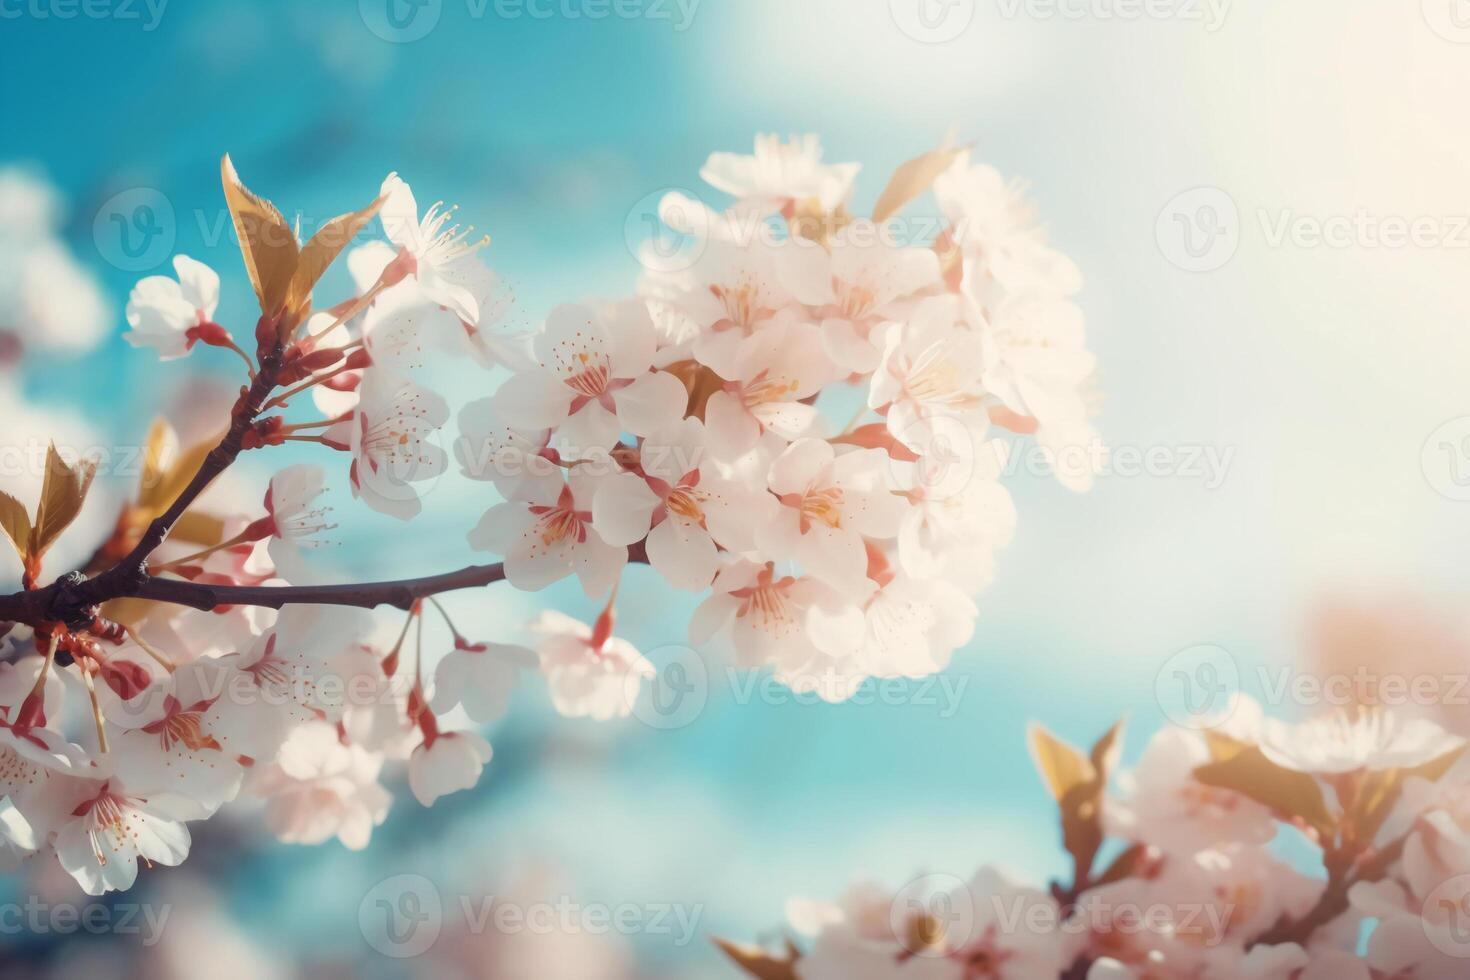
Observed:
{"x":73,"y":599}
{"x":402,"y":594}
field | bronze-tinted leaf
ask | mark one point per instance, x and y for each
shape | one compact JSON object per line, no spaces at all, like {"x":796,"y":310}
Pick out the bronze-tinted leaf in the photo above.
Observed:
{"x":16,"y":523}
{"x":267,"y":242}
{"x":320,"y":252}
{"x":1287,"y":793}
{"x":912,"y":179}
{"x":167,"y":473}
{"x":1062,"y":767}
{"x":201,"y":529}
{"x":761,"y":963}
{"x":63,"y":492}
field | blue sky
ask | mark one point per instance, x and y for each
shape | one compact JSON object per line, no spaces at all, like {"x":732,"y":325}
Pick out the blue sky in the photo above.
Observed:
{"x":552,"y":133}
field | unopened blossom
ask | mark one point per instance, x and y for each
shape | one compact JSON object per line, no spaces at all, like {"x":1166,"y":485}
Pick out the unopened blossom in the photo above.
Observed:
{"x":830,"y":502}
{"x":446,"y":763}
{"x":590,"y":672}
{"x":550,"y":535}
{"x":1348,"y":740}
{"x":593,"y":379}
{"x":320,"y":788}
{"x":390,"y":437}
{"x":438,"y":255}
{"x":171,"y":315}
{"x":780,"y":173}
{"x":479,"y":677}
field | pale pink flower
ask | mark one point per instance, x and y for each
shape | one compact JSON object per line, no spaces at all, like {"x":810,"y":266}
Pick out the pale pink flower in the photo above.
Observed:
{"x":479,"y":677}
{"x":771,"y":375}
{"x":1165,"y":806}
{"x":997,"y":230}
{"x":513,"y":460}
{"x":320,"y":788}
{"x":446,"y":763}
{"x":389,"y":437}
{"x":107,"y":828}
{"x":689,"y":504}
{"x":590,"y":672}
{"x":780,"y":173}
{"x":931,"y":366}
{"x":168,"y":740}
{"x":440,"y":258}
{"x":771,"y":619}
{"x":855,"y":286}
{"x":594,"y":379}
{"x":1347,"y":741}
{"x":168,"y":314}
{"x":549,"y":536}
{"x":293,"y":523}
{"x":830,"y":503}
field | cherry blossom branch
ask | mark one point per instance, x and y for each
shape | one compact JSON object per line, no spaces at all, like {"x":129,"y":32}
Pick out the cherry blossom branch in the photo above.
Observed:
{"x":72,"y":599}
{"x":1342,"y":875}
{"x":401,"y":594}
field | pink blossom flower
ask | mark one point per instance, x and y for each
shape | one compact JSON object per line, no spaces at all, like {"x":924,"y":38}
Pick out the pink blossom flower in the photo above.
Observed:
{"x":446,"y":763}
{"x":590,"y":672}
{"x":549,"y":536}
{"x":170,"y":315}
{"x":594,"y":379}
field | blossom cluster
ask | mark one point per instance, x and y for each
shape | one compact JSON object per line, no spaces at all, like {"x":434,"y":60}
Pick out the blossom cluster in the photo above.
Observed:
{"x":1183,"y":869}
{"x":686,"y":427}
